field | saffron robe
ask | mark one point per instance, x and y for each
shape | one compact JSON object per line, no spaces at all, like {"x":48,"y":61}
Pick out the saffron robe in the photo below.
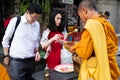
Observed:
{"x":3,"y":73}
{"x":102,"y":39}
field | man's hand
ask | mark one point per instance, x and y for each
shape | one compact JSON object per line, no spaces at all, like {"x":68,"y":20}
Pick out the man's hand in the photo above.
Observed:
{"x":6,"y":60}
{"x":37,"y":56}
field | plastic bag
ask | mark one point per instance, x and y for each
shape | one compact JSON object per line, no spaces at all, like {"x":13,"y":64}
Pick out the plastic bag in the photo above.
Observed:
{"x":66,"y":56}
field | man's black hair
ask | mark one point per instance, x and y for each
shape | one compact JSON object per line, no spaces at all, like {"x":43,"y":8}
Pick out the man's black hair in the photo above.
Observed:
{"x":52,"y":25}
{"x":34,"y":8}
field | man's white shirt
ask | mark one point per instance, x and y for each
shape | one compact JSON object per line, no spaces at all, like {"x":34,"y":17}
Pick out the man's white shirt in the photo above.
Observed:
{"x":25,"y":40}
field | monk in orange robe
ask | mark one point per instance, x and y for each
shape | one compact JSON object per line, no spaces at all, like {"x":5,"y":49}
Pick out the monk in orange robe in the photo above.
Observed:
{"x":97,"y":47}
{"x":3,"y":73}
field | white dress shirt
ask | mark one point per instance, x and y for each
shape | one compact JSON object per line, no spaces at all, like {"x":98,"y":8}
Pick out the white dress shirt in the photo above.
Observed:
{"x":25,"y":40}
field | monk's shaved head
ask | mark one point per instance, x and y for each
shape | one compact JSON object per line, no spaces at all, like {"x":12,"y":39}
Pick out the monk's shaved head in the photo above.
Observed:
{"x":89,"y":4}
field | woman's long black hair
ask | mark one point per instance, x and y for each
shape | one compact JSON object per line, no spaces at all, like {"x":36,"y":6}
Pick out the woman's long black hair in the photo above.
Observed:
{"x":52,"y":25}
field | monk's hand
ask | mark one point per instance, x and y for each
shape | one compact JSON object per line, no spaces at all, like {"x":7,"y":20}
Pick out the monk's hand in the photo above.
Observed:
{"x":71,"y":50}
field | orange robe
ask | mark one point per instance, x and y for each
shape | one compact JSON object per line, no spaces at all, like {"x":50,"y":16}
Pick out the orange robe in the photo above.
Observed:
{"x":3,"y":73}
{"x":112,"y":47}
{"x":104,"y":42}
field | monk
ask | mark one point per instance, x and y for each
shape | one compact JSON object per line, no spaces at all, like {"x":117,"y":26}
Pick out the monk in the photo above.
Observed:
{"x":3,"y":73}
{"x":98,"y":46}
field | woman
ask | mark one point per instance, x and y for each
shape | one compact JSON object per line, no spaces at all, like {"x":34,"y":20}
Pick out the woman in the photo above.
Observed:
{"x":53,"y":39}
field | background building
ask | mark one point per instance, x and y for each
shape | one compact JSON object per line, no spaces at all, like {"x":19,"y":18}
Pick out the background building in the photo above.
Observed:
{"x":68,"y":7}
{"x":113,"y":6}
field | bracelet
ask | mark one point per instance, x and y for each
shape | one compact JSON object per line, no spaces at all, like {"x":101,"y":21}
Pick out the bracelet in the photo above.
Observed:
{"x":6,"y":56}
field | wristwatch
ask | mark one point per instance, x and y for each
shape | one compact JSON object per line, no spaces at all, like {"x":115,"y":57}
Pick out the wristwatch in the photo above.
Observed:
{"x":6,"y":56}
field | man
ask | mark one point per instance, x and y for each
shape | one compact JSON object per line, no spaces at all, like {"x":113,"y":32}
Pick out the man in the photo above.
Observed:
{"x":24,"y":49}
{"x":97,"y":47}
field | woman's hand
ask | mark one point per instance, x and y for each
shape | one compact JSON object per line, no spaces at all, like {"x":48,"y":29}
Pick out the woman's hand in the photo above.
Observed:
{"x":56,"y":37}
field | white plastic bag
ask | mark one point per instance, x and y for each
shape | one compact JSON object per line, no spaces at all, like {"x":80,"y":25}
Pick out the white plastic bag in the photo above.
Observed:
{"x":66,"y":56}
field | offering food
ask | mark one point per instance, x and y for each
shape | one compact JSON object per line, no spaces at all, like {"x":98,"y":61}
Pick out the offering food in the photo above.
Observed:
{"x":72,"y":38}
{"x":64,"y":68}
{"x":75,"y":30}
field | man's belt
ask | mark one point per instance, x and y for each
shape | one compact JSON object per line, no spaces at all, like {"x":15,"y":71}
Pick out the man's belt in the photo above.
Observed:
{"x":23,"y":60}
